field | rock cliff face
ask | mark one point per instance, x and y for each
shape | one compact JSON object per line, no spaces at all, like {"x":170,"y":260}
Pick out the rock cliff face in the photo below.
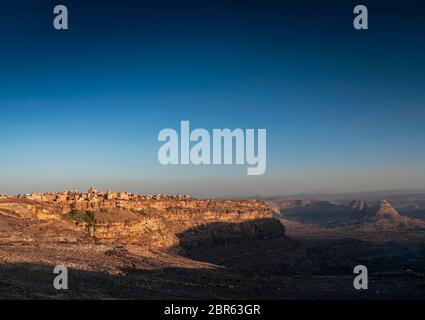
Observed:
{"x":155,"y":223}
{"x":250,"y":245}
{"x":159,"y":229}
{"x":225,"y":234}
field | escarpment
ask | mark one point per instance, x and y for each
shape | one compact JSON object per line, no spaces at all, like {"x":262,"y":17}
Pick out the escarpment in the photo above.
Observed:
{"x":156,"y":222}
{"x":159,"y":228}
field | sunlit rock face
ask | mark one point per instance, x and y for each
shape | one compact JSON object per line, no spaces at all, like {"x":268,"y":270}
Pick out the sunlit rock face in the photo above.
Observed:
{"x":386,"y":210}
{"x":151,"y":221}
{"x":359,"y":207}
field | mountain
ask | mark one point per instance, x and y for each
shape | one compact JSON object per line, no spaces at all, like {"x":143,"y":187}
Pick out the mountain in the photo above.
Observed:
{"x":354,"y":214}
{"x":131,"y":246}
{"x":359,"y":207}
{"x":386,"y":210}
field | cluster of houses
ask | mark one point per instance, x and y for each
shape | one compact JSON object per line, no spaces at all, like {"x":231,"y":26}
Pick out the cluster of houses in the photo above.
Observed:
{"x":94,"y":199}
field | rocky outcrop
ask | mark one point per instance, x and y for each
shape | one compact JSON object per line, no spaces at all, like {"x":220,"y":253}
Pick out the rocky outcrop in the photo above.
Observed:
{"x":154,"y":223}
{"x":160,"y":229}
{"x":386,"y":210}
{"x":359,"y":207}
{"x":387,"y":218}
{"x":22,"y":208}
{"x":26,"y":221}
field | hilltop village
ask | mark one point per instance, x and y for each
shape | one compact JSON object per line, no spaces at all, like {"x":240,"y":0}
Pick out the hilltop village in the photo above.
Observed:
{"x":93,"y":200}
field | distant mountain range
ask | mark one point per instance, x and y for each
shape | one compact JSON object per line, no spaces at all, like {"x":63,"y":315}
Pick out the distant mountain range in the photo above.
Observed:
{"x":354,"y":214}
{"x":374,"y":195}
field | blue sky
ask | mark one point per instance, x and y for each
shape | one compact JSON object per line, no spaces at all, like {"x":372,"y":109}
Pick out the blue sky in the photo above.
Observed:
{"x":343,"y":109}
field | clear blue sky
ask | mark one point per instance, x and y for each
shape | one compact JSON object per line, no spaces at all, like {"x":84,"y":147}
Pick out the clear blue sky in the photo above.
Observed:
{"x":343,"y":109}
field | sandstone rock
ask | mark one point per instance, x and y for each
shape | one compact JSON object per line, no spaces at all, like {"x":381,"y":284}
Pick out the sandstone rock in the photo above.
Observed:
{"x":386,"y":210}
{"x":359,"y":207}
{"x":153,"y":222}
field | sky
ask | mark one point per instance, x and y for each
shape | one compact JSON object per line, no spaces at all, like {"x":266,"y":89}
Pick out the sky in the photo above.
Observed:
{"x":344,"y":109}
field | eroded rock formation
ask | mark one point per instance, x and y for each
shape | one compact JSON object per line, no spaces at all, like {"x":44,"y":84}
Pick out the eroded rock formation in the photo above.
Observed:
{"x":386,"y":210}
{"x":125,"y":218}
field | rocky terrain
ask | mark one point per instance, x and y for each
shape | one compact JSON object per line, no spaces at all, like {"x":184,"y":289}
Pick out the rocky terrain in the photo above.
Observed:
{"x":358,"y":219}
{"x":127,"y":246}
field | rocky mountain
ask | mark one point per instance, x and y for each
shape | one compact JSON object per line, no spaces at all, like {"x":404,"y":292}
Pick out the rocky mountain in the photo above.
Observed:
{"x":386,"y":210}
{"x":359,"y":207}
{"x":120,"y":245}
{"x":357,"y":214}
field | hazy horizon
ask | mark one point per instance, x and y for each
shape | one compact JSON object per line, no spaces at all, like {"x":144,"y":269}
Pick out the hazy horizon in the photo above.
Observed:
{"x":317,"y":192}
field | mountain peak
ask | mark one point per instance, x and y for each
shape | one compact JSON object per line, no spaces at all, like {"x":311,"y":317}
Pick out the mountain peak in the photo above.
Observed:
{"x":386,"y":210}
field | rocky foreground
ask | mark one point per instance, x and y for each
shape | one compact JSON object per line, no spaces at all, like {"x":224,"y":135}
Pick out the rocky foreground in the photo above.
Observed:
{"x":169,"y":248}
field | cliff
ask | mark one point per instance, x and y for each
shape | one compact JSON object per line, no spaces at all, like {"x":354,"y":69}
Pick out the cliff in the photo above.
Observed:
{"x":155,"y":223}
{"x":159,"y":227}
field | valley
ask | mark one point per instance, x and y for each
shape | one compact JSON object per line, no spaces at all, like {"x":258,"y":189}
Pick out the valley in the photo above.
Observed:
{"x":180,"y":247}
